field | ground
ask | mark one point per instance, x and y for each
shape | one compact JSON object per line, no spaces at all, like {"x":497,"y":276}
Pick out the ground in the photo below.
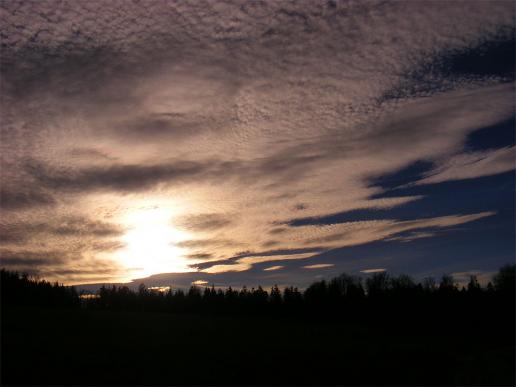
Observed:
{"x":90,"y":347}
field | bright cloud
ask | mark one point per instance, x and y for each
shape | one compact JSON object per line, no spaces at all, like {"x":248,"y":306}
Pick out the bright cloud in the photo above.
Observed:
{"x":319,"y":266}
{"x":368,"y":271}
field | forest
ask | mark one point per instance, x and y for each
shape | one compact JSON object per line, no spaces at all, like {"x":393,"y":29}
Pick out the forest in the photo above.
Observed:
{"x":384,"y":330}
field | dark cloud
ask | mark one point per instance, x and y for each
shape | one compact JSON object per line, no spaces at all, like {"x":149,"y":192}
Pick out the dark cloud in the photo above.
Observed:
{"x":62,"y":264}
{"x":411,"y":235}
{"x":277,"y":230}
{"x":64,"y":227}
{"x":27,"y":71}
{"x":96,"y":272}
{"x":85,"y":227}
{"x":12,"y":235}
{"x":89,"y":153}
{"x":117,"y":177}
{"x":282,"y":168}
{"x":340,"y":217}
{"x":29,"y":258}
{"x":250,"y":254}
{"x":277,"y":252}
{"x":159,"y":126}
{"x":23,"y":198}
{"x":270,"y":243}
{"x":200,"y":256}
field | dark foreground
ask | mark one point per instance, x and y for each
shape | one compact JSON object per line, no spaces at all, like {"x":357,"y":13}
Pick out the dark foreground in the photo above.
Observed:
{"x":103,"y":347}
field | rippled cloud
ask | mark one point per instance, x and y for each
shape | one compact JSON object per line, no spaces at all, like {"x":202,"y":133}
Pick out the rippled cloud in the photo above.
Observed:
{"x":217,"y":137}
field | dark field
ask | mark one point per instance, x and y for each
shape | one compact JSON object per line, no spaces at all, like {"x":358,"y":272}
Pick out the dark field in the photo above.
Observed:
{"x":99,"y":347}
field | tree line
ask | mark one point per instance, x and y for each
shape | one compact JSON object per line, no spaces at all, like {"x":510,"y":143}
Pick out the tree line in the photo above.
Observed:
{"x":345,"y":294}
{"x":22,"y":289}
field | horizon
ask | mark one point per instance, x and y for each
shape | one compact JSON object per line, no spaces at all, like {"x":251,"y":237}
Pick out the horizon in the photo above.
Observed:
{"x":501,"y":281}
{"x":460,"y":280}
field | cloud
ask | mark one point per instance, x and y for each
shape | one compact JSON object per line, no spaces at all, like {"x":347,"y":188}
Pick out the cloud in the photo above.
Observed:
{"x":412,"y":236}
{"x":238,"y":120}
{"x":74,"y":265}
{"x":59,"y":228}
{"x":80,"y":226}
{"x":206,"y":222}
{"x":368,"y":271}
{"x":203,"y":256}
{"x":273,"y":268}
{"x":21,"y":199}
{"x":361,"y":232}
{"x":89,"y":154}
{"x":300,"y":207}
{"x":200,"y":282}
{"x":270,"y":243}
{"x":249,"y":257}
{"x":277,"y":230}
{"x":441,"y":221}
{"x":269,"y":258}
{"x":71,"y":248}
{"x":319,"y":266}
{"x":32,"y":259}
{"x":205,"y":243}
{"x":227,"y":268}
{"x":106,"y":246}
{"x":355,"y":214}
{"x":159,"y":126}
{"x":116,"y":177}
{"x":472,"y":165}
{"x":60,"y":264}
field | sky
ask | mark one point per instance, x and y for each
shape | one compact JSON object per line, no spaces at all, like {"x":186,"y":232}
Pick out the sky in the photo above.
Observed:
{"x":250,"y":142}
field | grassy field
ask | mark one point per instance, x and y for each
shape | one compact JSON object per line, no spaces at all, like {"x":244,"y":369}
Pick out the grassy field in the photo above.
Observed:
{"x":87,"y":347}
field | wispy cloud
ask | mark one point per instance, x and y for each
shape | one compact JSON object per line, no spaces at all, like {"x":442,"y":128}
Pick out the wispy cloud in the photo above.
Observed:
{"x":319,"y":266}
{"x":200,"y":282}
{"x":368,"y":271}
{"x":272,"y":268}
{"x":472,"y":165}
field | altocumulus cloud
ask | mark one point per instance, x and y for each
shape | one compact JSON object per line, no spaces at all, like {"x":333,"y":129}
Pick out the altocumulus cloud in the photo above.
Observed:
{"x":245,"y":116}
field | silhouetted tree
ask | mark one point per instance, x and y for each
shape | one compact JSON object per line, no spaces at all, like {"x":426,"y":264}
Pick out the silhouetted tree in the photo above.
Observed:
{"x":505,"y":279}
{"x":377,"y":284}
{"x":473,"y":285}
{"x":22,"y":289}
{"x":275,"y":296}
{"x":429,"y":284}
{"x":316,"y":293}
{"x":447,"y":284}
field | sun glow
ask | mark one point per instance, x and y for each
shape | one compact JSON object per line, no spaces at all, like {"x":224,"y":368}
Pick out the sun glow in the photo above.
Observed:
{"x":150,"y":243}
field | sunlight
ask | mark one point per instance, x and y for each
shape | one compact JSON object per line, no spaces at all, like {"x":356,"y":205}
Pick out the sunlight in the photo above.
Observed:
{"x":150,"y":243}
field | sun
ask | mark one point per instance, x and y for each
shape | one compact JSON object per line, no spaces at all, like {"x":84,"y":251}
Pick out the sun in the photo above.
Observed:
{"x":151,"y":243}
